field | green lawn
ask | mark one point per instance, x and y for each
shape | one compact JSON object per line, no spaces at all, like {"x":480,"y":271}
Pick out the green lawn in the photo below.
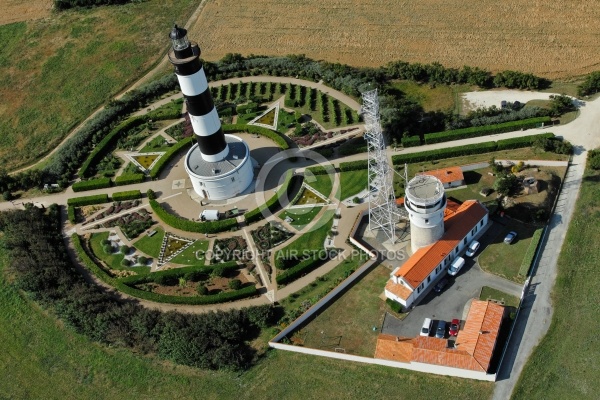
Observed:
{"x":321,"y":183}
{"x":301,"y":216}
{"x":113,"y":260}
{"x":348,"y":322}
{"x":41,"y":359}
{"x":313,"y":240}
{"x":565,"y":364}
{"x":488,"y":293}
{"x":440,"y":97}
{"x":156,"y":144}
{"x":74,"y":62}
{"x":504,"y":259}
{"x":193,"y":255}
{"x":151,"y":245}
{"x":352,"y":182}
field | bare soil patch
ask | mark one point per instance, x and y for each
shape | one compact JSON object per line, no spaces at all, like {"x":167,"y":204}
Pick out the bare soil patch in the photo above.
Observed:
{"x":19,"y":10}
{"x":551,"y":39}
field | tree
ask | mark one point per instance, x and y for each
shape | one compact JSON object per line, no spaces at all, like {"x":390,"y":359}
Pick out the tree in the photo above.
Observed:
{"x":235,"y":284}
{"x":561,"y":104}
{"x":124,"y":249}
{"x":505,"y":184}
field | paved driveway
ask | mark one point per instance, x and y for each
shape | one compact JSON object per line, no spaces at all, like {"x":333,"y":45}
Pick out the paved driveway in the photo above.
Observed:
{"x":450,"y":303}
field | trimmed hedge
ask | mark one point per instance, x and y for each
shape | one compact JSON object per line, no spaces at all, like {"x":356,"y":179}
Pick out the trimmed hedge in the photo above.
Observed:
{"x":258,"y":130}
{"x":411,"y":141}
{"x":92,"y":184}
{"x":525,"y":141}
{"x":129,"y":179}
{"x":223,"y":297}
{"x":91,"y":264}
{"x":101,"y":148}
{"x":159,"y":298}
{"x":127,"y":195}
{"x":476,"y":131}
{"x":477,"y":148}
{"x":531,"y":251}
{"x":178,"y":272}
{"x":272,"y":204}
{"x":354,"y":165}
{"x":160,"y":164}
{"x":295,"y":272}
{"x":88,"y":200}
{"x":71,"y":214}
{"x":191,"y":226}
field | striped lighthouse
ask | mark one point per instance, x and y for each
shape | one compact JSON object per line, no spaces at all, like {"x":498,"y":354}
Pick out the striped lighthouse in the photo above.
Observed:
{"x":219,"y":165}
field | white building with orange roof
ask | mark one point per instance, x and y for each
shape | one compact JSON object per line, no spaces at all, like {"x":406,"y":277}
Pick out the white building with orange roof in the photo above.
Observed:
{"x":462,"y":223}
{"x":473,"y":348}
{"x":450,"y":177}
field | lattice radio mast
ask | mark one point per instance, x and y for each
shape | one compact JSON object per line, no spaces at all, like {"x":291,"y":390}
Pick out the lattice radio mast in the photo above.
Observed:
{"x":383,"y":213}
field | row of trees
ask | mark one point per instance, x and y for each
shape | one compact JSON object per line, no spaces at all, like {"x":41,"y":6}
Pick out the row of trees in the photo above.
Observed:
{"x":66,"y":4}
{"x":41,"y":266}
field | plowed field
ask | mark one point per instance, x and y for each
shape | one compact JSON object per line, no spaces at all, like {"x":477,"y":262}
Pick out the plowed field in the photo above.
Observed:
{"x":553,"y":39}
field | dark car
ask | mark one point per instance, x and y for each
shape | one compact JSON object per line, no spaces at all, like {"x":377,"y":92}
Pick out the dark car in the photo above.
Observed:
{"x":510,"y":237}
{"x":454,"y":325}
{"x":441,"y":285}
{"x":440,"y":331}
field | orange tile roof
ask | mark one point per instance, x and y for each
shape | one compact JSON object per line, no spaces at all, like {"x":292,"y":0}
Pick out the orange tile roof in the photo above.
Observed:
{"x":479,"y":335}
{"x":394,"y":348}
{"x":473,"y":350}
{"x":400,"y":201}
{"x":418,"y":267}
{"x":446,"y":175}
{"x":398,"y":289}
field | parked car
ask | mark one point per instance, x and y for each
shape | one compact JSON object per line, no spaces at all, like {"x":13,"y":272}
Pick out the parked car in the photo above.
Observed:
{"x":426,"y":329}
{"x":454,"y":325}
{"x":456,"y":266}
{"x":510,"y":237}
{"x":441,"y":285}
{"x":473,"y":247}
{"x":440,"y":332}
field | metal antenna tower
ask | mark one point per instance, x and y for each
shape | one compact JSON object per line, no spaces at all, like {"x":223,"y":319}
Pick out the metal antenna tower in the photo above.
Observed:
{"x":383,"y":212}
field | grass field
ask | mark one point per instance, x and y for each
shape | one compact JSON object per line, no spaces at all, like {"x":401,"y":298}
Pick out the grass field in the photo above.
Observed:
{"x":193,"y":255}
{"x":151,"y":244}
{"x":348,"y":322}
{"x":301,"y":216}
{"x":353,"y":182}
{"x":55,"y":71}
{"x":113,"y":260}
{"x":504,"y":259}
{"x":430,"y":98}
{"x":485,"y":33}
{"x":40,"y":358}
{"x":488,"y":293}
{"x":565,"y":366}
{"x":321,"y":183}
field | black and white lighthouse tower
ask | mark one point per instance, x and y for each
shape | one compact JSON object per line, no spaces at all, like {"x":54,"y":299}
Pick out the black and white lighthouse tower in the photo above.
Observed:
{"x":219,"y":165}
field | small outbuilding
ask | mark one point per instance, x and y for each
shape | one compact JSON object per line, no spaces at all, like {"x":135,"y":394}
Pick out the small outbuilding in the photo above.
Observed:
{"x":450,"y":177}
{"x":531,"y":185}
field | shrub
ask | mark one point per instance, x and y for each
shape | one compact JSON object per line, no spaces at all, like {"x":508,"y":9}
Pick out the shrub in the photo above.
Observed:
{"x":297,"y":271}
{"x":129,"y":179}
{"x":218,"y":272}
{"x":354,"y":165}
{"x":150,"y":194}
{"x":191,"y":226}
{"x":169,"y":154}
{"x":477,"y":131}
{"x":125,"y":262}
{"x":394,"y":305}
{"x":88,"y":200}
{"x":102,"y":148}
{"x":202,"y":290}
{"x":258,"y":130}
{"x":235,"y":284}
{"x":411,"y":141}
{"x":71,"y":214}
{"x":124,"y":249}
{"x":100,"y":183}
{"x":107,"y":248}
{"x":128,"y":195}
{"x":594,"y":159}
{"x":142,"y":260}
{"x":524,"y":141}
{"x":450,"y":152}
{"x":590,"y":85}
{"x":531,"y":251}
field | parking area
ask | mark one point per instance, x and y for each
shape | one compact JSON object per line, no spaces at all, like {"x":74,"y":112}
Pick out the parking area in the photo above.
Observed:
{"x":450,"y":302}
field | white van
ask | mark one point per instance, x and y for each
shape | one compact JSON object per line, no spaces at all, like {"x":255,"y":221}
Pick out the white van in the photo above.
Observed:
{"x":209,"y":215}
{"x":426,"y":329}
{"x":456,"y":265}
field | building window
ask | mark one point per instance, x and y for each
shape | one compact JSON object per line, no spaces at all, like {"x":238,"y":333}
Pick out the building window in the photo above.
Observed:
{"x":465,"y":241}
{"x":429,"y":279}
{"x":426,"y":221}
{"x":232,"y":178}
{"x":481,"y":223}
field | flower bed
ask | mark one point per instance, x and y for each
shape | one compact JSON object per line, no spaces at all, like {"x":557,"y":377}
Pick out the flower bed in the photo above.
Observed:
{"x":230,"y":249}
